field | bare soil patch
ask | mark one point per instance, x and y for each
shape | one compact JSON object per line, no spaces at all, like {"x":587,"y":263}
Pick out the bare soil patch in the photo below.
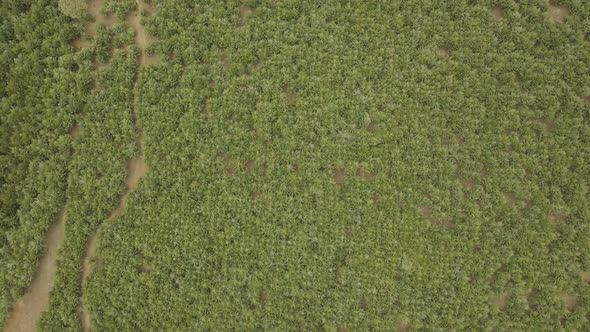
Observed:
{"x":136,"y":169}
{"x":245,"y":12}
{"x":570,"y":301}
{"x":556,"y":217}
{"x":558,"y":13}
{"x":372,"y":126}
{"x":343,"y":328}
{"x":402,"y":326}
{"x":224,"y":59}
{"x":263,"y":296}
{"x":101,"y":65}
{"x":500,"y":301}
{"x":80,"y":43}
{"x":148,"y":60}
{"x":94,"y":7}
{"x":29,"y":308}
{"x":85,"y":319}
{"x":120,"y":207}
{"x":142,"y":38}
{"x":339,"y":176}
{"x":443,"y":52}
{"x":510,"y":199}
{"x":427,"y":213}
{"x":293,"y":168}
{"x":530,"y":298}
{"x":289,"y":94}
{"x":498,"y":13}
{"x":75,"y":130}
{"x":364,"y":304}
{"x":367,"y":175}
{"x":256,"y":67}
{"x":376,"y":198}
{"x":484,"y":171}
{"x":205,"y":107}
{"x":250,"y":165}
{"x":469,"y":184}
{"x":144,"y":268}
{"x":230,"y":164}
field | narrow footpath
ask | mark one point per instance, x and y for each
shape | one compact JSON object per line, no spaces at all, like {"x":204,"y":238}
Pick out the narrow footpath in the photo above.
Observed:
{"x":136,"y":167}
{"x":29,"y":308}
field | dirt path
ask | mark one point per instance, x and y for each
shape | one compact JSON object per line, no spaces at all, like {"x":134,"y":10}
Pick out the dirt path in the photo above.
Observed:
{"x":94,"y":7}
{"x":142,"y":38}
{"x":29,"y":308}
{"x":90,"y":28}
{"x":136,"y":167}
{"x":87,"y":270}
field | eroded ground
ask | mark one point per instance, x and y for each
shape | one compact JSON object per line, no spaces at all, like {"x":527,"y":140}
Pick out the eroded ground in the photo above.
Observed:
{"x":29,"y":308}
{"x":136,"y":167}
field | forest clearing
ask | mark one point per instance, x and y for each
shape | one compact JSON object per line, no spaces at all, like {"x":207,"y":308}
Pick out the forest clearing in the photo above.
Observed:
{"x":294,"y":165}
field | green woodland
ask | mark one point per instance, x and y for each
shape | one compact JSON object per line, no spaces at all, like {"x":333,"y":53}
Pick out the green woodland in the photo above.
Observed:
{"x":333,"y":165}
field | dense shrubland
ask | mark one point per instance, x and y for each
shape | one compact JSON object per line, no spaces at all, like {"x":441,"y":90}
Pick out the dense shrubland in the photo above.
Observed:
{"x":37,"y":106}
{"x":67,"y":132}
{"x":96,"y":178}
{"x":313,"y":166}
{"x":323,"y":166}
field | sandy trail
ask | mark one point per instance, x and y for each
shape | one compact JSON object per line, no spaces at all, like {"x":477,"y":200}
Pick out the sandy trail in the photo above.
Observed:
{"x":136,"y":167}
{"x":87,"y":270}
{"x":94,"y":7}
{"x":29,"y":308}
{"x":142,"y":38}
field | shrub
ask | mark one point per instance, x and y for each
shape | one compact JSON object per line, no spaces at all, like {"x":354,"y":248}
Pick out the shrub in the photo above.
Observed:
{"x":72,"y":8}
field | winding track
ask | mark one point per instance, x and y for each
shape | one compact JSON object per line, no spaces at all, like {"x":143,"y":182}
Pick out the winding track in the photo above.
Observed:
{"x":136,"y":168}
{"x":29,"y":308}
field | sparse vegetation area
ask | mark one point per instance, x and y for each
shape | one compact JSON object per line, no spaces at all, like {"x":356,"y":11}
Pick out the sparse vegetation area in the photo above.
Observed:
{"x":296,"y":165}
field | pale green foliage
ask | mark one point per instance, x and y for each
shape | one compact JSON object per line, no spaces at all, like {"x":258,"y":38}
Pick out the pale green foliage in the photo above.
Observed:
{"x":72,"y":8}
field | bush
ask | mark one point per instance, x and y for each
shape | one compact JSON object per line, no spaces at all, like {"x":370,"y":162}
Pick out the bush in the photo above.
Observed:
{"x":72,"y":8}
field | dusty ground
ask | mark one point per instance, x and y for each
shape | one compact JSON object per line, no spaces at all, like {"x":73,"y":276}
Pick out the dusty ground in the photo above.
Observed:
{"x":137,"y":167}
{"x":29,"y":308}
